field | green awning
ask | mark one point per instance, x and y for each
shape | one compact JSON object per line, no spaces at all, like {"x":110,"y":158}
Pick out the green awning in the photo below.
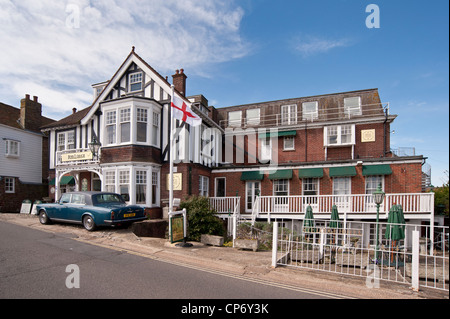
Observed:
{"x":310,"y":172}
{"x":275,"y":134}
{"x":65,"y":180}
{"x":252,"y":176}
{"x":371,"y":170}
{"x":281,"y":174}
{"x":344,"y":171}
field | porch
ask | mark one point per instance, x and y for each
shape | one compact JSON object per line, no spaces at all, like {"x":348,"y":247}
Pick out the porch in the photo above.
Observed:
{"x":355,"y":206}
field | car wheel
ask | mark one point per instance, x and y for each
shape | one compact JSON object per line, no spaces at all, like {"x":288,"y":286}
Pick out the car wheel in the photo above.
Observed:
{"x":88,"y":223}
{"x":43,"y":218}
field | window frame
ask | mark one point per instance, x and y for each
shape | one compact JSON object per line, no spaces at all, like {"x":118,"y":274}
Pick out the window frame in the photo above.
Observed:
{"x":132,"y":81}
{"x":315,"y":113}
{"x":10,"y":185}
{"x":351,"y":109}
{"x":255,"y":120}
{"x":236,"y":122}
{"x":289,"y":148}
{"x":339,"y":129}
{"x":291,"y":114}
{"x":8,"y":147}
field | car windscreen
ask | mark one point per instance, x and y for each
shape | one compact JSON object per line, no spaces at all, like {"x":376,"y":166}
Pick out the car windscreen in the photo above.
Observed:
{"x":101,"y":199}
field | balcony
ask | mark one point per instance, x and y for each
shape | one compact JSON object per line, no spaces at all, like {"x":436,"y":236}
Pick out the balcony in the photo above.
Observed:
{"x":415,"y":205}
{"x":76,"y":157}
{"x":296,"y":117}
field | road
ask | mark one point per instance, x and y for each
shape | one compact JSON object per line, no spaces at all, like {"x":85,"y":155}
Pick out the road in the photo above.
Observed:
{"x":34,"y":264}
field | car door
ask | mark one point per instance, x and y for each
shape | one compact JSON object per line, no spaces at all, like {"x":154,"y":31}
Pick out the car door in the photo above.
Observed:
{"x":76,"y":208}
{"x":60,"y":210}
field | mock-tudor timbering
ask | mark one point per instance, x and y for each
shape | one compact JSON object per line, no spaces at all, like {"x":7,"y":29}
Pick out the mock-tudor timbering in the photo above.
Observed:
{"x":270,"y":159}
{"x":129,"y":118}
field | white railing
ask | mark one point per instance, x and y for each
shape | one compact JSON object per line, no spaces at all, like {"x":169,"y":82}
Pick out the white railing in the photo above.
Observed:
{"x":225,"y":205}
{"x":419,"y":259}
{"x":227,"y":208}
{"x":414,"y":203}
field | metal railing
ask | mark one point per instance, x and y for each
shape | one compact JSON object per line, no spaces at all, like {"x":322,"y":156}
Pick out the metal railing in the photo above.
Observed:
{"x":351,"y":249}
{"x":298,"y":117}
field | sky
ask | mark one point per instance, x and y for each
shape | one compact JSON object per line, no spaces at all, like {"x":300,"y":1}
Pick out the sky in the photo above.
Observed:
{"x":238,"y":52}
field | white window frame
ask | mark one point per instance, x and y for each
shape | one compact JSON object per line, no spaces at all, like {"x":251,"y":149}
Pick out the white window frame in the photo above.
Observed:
{"x":156,"y":118}
{"x":234,"y":122}
{"x":203,"y":186}
{"x":352,"y":106}
{"x":339,"y":133}
{"x":111,"y":122}
{"x":141,"y":180}
{"x":250,"y":190}
{"x":68,"y":139}
{"x":10,"y":185}
{"x":265,"y":153}
{"x":155,"y":184}
{"x":142,"y":117}
{"x":135,"y":78}
{"x":124,"y":118}
{"x":110,"y":181}
{"x":289,"y":114}
{"x":277,"y":183}
{"x":12,"y":148}
{"x":342,"y":181}
{"x":286,"y":146}
{"x":124,"y":180}
{"x":253,"y":119}
{"x":307,"y":114}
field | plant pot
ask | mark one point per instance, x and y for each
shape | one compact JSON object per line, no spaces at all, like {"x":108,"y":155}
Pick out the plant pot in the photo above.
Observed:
{"x":252,"y":244}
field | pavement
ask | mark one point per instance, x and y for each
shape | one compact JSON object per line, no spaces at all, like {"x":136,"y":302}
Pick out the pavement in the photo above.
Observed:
{"x":228,"y":261}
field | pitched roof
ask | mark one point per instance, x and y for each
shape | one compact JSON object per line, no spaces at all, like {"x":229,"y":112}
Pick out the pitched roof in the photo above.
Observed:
{"x":71,"y":120}
{"x":10,"y":115}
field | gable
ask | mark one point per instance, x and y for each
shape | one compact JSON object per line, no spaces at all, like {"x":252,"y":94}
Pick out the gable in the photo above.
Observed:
{"x":124,"y":83}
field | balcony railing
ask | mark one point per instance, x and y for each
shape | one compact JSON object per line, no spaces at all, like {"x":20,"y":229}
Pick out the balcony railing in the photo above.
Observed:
{"x":75,"y":157}
{"x":225,"y":205}
{"x":299,"y":117}
{"x":414,"y":203}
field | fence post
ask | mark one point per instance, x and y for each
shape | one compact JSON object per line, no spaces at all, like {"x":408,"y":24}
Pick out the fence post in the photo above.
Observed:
{"x":234,"y":227}
{"x":415,"y":261}
{"x":274,"y":244}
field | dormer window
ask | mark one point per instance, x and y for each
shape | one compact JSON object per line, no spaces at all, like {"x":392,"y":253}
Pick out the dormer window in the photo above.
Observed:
{"x":352,"y":106}
{"x":136,"y":82}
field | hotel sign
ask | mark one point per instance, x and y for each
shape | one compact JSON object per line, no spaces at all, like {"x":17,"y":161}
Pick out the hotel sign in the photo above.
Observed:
{"x":80,"y":156}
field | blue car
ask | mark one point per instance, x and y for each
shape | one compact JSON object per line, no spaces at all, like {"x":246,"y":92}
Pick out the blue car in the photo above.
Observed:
{"x":91,"y":209}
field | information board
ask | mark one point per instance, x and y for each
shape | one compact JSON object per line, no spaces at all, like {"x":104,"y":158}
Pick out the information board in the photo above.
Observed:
{"x":177,"y":228}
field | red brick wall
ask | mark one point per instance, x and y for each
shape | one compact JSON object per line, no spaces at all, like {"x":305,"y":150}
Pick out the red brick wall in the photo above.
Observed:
{"x":130,"y":153}
{"x":12,"y":202}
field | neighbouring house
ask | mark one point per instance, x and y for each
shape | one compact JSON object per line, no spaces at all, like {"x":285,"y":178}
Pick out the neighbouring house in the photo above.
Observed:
{"x":23,"y":154}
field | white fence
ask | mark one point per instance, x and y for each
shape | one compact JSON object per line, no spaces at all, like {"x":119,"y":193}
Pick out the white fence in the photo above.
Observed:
{"x":351,"y":250}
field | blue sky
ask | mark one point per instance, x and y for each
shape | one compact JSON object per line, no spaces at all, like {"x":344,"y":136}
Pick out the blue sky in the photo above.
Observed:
{"x":237,"y":52}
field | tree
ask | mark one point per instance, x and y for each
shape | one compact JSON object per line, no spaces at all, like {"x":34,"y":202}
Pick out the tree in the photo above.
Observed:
{"x":201,"y":217}
{"x":441,"y":198}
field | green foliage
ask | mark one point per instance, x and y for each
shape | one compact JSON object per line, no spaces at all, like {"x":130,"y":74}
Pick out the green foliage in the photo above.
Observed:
{"x":201,"y":217}
{"x":441,"y":199}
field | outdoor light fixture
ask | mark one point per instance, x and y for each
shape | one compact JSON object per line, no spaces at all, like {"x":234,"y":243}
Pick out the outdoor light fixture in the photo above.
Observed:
{"x":378,"y":197}
{"x":94,"y":146}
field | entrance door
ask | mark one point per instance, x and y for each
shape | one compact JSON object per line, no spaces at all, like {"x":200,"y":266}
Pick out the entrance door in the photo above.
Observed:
{"x":253,"y":189}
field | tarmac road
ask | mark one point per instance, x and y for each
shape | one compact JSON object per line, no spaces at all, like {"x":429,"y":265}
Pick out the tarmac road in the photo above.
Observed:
{"x":245,"y":266}
{"x":33,"y":264}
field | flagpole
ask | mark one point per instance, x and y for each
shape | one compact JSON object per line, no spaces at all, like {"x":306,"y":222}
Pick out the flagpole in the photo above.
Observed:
{"x":170,"y":153}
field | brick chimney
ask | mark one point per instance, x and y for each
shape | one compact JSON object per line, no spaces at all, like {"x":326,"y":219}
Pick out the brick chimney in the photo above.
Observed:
{"x":179,"y":81}
{"x":30,"y":113}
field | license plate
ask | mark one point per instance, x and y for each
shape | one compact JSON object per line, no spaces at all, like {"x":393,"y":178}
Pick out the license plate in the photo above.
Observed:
{"x":129,"y":215}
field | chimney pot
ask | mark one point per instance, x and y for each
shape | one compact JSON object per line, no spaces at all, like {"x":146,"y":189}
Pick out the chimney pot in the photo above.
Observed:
{"x":35,"y":98}
{"x":27,"y":96}
{"x":177,"y":71}
{"x":181,"y":71}
{"x":74,"y":110}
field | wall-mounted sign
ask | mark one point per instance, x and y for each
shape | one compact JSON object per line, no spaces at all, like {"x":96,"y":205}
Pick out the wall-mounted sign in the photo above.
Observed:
{"x":177,"y":181}
{"x":368,"y":136}
{"x":77,"y":156}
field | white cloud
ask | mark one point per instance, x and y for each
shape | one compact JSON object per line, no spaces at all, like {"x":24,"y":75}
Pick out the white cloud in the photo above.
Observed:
{"x":43,"y":51}
{"x":310,"y":45}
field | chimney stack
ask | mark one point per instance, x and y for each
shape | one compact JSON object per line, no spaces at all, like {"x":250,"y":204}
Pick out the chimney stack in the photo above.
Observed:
{"x":179,"y":81}
{"x":74,"y":110}
{"x":30,"y":113}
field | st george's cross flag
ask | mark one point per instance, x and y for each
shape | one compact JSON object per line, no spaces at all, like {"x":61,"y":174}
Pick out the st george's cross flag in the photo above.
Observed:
{"x":181,"y":111}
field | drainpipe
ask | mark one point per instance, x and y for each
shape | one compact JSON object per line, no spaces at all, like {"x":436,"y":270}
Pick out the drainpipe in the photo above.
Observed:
{"x":384,"y":133}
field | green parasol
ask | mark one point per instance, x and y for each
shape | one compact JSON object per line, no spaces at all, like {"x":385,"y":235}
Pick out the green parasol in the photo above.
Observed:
{"x":334,"y":220}
{"x":395,"y":228}
{"x":308,"y":223}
